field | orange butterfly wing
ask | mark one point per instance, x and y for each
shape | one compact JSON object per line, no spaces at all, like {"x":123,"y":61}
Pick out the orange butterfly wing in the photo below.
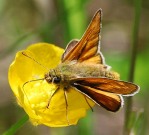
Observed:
{"x":109,"y":101}
{"x":87,"y":49}
{"x":105,"y":92}
{"x":109,"y":85}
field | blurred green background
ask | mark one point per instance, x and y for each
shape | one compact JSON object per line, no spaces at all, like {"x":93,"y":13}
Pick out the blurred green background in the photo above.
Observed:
{"x":23,"y":22}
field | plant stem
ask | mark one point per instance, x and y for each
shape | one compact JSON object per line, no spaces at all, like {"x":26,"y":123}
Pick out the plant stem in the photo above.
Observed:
{"x":137,"y":4}
{"x":14,"y":128}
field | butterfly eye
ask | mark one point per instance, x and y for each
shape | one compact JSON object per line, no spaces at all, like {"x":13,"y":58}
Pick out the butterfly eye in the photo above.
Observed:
{"x":56,"y":79}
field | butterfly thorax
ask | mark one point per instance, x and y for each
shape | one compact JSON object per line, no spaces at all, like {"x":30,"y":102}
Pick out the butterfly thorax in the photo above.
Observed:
{"x":70,"y":70}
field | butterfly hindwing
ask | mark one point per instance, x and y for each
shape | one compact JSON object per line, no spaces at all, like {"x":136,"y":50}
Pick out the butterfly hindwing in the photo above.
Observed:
{"x":87,"y":49}
{"x":69,"y":47}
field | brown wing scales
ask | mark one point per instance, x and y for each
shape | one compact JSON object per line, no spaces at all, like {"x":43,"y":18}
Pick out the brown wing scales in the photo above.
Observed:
{"x":109,"y":101}
{"x":95,"y":59}
{"x":109,"y":85}
{"x":69,"y":47}
{"x":87,"y":49}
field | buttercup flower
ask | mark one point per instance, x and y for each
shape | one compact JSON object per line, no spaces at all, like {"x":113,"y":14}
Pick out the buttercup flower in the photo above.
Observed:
{"x":33,"y":93}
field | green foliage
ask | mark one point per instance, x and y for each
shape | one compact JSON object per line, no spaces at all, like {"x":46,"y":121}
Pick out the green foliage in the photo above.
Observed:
{"x":15,"y":127}
{"x":135,"y":123}
{"x":23,"y":22}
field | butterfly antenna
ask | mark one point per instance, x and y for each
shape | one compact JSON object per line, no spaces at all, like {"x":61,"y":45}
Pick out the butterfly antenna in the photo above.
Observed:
{"x":35,"y":61}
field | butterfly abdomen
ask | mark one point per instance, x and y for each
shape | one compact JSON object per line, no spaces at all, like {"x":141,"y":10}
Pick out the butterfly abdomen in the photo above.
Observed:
{"x":79,"y":70}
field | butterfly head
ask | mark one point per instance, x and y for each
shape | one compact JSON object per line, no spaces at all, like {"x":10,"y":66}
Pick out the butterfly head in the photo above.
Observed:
{"x":51,"y":77}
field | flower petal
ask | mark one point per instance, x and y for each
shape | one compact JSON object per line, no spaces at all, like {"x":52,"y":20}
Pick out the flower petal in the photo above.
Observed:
{"x":36,"y":96}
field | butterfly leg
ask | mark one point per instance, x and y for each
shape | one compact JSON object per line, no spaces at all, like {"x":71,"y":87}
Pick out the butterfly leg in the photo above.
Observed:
{"x":27,"y":82}
{"x":66,"y":102}
{"x":88,"y":103}
{"x":48,"y":105}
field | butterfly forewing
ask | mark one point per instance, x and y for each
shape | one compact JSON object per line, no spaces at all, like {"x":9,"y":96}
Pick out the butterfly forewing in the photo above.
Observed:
{"x":87,"y":49}
{"x":109,"y":101}
{"x":109,"y":85}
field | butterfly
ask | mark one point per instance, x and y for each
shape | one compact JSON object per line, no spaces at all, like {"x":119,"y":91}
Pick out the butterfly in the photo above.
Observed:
{"x":83,"y":68}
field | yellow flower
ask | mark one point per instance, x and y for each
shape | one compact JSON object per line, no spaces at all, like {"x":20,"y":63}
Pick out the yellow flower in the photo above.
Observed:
{"x":34,"y":96}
